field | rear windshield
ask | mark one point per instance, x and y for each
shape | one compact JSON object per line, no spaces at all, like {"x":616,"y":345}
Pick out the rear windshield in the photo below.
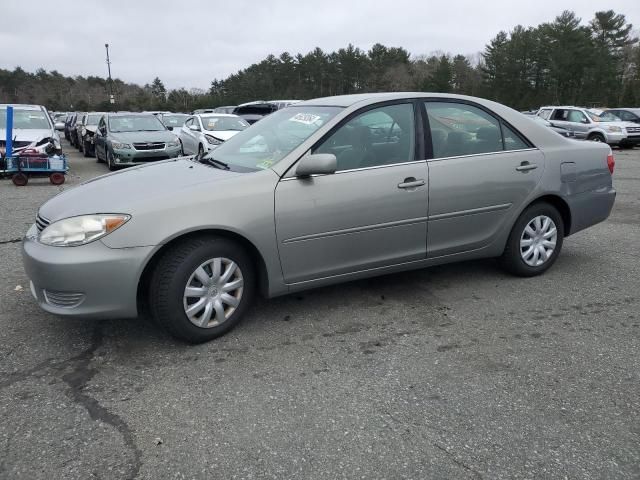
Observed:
{"x":255,"y":110}
{"x":174,"y":120}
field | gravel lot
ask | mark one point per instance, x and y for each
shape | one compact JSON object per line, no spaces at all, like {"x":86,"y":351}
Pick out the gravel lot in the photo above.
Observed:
{"x":457,"y":372}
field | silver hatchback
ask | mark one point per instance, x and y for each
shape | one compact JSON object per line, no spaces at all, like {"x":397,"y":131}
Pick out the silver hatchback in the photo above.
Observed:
{"x":324,"y":191}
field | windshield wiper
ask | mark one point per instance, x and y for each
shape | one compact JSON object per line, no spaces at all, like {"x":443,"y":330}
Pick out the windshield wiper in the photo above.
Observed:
{"x":215,"y":163}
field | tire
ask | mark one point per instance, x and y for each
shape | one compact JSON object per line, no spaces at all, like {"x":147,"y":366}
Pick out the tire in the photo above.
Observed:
{"x":110,"y":164}
{"x":597,"y":137}
{"x":515,"y":252}
{"x":626,"y":145}
{"x":98,"y":159}
{"x":200,"y":151}
{"x":181,"y":149}
{"x":19,"y":179}
{"x":57,"y":178}
{"x":86,"y":149}
{"x":175,"y":271}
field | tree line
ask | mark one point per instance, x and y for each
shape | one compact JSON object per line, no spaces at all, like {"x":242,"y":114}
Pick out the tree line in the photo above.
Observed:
{"x":565,"y":61}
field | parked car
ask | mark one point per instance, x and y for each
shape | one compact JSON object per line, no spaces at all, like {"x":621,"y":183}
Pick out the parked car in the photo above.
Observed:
{"x":174,"y":121}
{"x":126,"y":139}
{"x":58,"y":120}
{"x":254,"y":111}
{"x":283,"y":103}
{"x":31,"y":123}
{"x":226,"y":109}
{"x":86,"y":143}
{"x":69,"y":123}
{"x":74,"y":131}
{"x":559,"y":130}
{"x":203,"y":110}
{"x":625,"y":114}
{"x":202,"y":133}
{"x":325,"y":191}
{"x":588,"y":125}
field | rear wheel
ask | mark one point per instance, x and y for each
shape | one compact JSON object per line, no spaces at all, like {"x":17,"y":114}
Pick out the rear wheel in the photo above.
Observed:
{"x":200,"y":151}
{"x":534,"y":242}
{"x":19,"y":179}
{"x":56,"y":178}
{"x":181,"y":149}
{"x":597,"y":137}
{"x":201,"y":288}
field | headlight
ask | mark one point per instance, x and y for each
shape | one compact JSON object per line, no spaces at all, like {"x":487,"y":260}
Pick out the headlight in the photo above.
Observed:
{"x":613,"y":129}
{"x":74,"y":231}
{"x":213,"y":140}
{"x":84,"y":131}
{"x":120,"y":146}
{"x":175,"y":143}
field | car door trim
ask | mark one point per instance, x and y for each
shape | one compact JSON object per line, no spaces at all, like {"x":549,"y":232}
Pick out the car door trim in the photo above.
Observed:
{"x":500,"y":152}
{"x":350,"y":231}
{"x":340,"y":172}
{"x":473,"y":211}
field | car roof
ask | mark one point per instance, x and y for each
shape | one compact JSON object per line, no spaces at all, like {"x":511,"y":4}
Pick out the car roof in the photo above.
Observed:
{"x":208,"y":115}
{"x":128,"y":114}
{"x":366,"y":98}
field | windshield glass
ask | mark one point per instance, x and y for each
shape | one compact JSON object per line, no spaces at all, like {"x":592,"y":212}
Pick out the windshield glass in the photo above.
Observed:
{"x":175,"y":121}
{"x":135,"y":123}
{"x":93,"y":119}
{"x":25,"y":119}
{"x":258,"y":109}
{"x":608,"y":117}
{"x":271,"y":139}
{"x":223,"y":123}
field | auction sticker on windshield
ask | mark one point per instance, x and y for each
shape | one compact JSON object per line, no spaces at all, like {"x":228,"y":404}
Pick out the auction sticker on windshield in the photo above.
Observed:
{"x":305,"y":118}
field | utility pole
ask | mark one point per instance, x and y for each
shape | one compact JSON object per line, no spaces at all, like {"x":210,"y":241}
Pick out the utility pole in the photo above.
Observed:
{"x":111,"y":98}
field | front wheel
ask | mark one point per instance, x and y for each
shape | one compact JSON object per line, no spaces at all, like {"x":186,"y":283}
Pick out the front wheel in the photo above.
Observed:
{"x":201,"y":288}
{"x":110,"y":163}
{"x":534,"y":242}
{"x":597,"y":137}
{"x":86,"y":149}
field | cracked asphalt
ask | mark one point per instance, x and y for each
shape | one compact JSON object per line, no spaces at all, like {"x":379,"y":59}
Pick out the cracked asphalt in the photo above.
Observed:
{"x":458,"y":371}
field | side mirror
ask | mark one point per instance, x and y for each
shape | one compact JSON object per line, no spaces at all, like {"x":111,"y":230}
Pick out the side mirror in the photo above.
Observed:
{"x":318,"y":164}
{"x":170,"y":128}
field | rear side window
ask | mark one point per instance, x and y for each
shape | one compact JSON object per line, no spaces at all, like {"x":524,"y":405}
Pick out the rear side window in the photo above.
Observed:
{"x":560,"y":114}
{"x":512,"y":140}
{"x":460,"y":129}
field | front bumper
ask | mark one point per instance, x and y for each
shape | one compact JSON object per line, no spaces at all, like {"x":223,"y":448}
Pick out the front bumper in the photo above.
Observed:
{"x":128,"y":157}
{"x":89,"y":281}
{"x":615,"y":138}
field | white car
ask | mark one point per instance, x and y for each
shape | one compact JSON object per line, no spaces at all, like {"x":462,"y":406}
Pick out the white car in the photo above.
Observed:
{"x":202,"y":133}
{"x":31,"y":124}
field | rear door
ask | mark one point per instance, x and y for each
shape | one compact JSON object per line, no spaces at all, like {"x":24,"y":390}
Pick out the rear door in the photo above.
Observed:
{"x":371,"y":213}
{"x":481,"y":170}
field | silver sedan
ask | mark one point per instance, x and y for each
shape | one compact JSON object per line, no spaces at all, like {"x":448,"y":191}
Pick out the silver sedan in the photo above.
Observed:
{"x":325,"y":191}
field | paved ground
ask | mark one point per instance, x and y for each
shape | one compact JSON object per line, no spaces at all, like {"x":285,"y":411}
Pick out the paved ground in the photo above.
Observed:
{"x":454,"y":372}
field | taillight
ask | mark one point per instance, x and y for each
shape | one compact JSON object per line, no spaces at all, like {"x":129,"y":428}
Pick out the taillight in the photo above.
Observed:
{"x":611,"y":162}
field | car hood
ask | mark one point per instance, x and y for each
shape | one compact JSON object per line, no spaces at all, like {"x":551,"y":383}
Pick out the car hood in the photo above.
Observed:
{"x":135,"y":137}
{"x":622,"y":124}
{"x":133,"y":189}
{"x":222,"y":134}
{"x":28,"y":135}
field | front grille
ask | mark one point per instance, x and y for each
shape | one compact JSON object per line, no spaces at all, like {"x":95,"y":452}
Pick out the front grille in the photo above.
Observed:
{"x":63,"y":299}
{"x":633,"y":129}
{"x":41,"y":223}
{"x":149,"y":146}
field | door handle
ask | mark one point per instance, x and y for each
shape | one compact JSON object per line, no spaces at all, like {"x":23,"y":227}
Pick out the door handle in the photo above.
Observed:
{"x":411,"y":183}
{"x":526,"y":166}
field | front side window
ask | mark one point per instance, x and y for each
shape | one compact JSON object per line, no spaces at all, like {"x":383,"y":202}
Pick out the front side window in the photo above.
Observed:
{"x":217,"y":123}
{"x":545,"y":114}
{"x":460,"y":129}
{"x":273,"y":138}
{"x":576,"y":116}
{"x":382,"y":136}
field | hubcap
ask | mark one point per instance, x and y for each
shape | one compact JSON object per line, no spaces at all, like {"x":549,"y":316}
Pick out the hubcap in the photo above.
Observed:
{"x":538,"y":241}
{"x":213,"y":292}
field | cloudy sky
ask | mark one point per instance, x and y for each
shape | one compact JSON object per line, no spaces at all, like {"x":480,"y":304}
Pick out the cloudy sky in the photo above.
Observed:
{"x":187,"y":43}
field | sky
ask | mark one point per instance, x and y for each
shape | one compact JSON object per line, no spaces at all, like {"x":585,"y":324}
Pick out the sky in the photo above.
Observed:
{"x":188,"y":43}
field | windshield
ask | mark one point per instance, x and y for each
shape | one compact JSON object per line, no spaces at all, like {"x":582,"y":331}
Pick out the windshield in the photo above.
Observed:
{"x":25,"y":119}
{"x":174,"y":121}
{"x":271,"y":139}
{"x":135,"y":123}
{"x":223,"y":123}
{"x":608,"y":117}
{"x":259,"y":109}
{"x":93,"y":119}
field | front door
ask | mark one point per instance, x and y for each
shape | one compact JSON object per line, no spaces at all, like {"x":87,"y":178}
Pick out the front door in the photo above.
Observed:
{"x":481,"y":170}
{"x":370,"y":213}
